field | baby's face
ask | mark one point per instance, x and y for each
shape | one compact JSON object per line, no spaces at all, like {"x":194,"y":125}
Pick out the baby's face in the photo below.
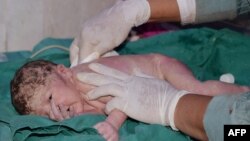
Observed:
{"x":60,"y":98}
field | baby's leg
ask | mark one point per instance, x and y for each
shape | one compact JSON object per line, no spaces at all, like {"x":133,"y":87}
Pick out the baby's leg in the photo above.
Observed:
{"x":110,"y":127}
{"x":181,"y":77}
{"x":213,"y":88}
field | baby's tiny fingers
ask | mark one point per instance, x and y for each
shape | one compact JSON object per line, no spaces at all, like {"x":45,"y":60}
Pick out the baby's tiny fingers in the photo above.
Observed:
{"x":56,"y":111}
{"x":71,"y":111}
{"x":51,"y":115}
{"x":64,"y":111}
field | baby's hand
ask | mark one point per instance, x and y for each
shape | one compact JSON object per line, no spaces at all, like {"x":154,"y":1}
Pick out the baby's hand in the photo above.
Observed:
{"x":107,"y":130}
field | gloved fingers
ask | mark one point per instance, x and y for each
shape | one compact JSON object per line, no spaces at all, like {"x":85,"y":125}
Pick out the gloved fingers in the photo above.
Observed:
{"x":105,"y":70}
{"x":87,"y":51}
{"x":97,"y":79}
{"x":139,"y":73}
{"x":116,"y":103}
{"x":91,"y":57}
{"x":110,"y":53}
{"x":105,"y":90}
{"x":74,"y":53}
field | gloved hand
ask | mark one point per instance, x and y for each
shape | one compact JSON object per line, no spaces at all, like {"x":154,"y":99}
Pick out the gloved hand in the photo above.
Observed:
{"x":107,"y":30}
{"x":146,"y":98}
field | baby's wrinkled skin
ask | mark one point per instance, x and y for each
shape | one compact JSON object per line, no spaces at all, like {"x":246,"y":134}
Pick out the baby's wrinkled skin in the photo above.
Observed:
{"x":64,"y":96}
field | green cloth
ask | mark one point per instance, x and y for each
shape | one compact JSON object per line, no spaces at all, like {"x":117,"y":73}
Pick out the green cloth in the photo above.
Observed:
{"x":209,"y":53}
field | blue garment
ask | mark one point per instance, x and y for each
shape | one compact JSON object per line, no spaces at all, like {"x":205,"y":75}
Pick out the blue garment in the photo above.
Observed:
{"x":226,"y":109}
{"x":213,"y":10}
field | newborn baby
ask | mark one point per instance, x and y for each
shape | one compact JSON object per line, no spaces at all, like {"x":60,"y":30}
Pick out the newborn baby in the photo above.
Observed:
{"x":52,"y":90}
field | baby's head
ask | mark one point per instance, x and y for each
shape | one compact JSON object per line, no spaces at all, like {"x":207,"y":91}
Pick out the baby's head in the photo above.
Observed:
{"x":44,"y":88}
{"x":28,"y":81}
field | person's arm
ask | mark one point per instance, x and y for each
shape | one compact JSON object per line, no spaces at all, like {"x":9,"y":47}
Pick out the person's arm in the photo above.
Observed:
{"x":204,"y":117}
{"x":149,"y":100}
{"x":197,"y":11}
{"x":189,"y":115}
{"x":153,"y":97}
{"x":164,"y":10}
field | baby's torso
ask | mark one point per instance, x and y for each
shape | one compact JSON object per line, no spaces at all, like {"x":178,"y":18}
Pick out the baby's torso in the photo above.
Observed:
{"x":131,"y":64}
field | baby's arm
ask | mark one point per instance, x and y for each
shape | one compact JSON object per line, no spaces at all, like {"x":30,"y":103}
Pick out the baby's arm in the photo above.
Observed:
{"x":110,"y":127}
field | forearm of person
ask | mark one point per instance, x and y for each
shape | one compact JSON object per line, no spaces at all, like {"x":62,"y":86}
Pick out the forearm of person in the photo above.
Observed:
{"x":197,"y":11}
{"x":164,"y":10}
{"x":204,"y":117}
{"x":189,"y":115}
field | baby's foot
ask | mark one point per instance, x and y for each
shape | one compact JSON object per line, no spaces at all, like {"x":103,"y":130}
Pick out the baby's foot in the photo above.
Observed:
{"x":107,"y":130}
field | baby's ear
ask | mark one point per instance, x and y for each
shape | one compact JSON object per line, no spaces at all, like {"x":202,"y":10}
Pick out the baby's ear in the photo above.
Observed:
{"x":63,"y":71}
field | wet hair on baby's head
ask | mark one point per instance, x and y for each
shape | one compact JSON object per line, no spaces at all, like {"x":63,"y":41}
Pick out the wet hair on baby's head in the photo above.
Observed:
{"x":27,"y":80}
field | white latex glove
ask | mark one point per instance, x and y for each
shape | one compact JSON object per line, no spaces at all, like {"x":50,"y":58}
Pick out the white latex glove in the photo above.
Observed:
{"x":146,"y":99}
{"x":107,"y":30}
